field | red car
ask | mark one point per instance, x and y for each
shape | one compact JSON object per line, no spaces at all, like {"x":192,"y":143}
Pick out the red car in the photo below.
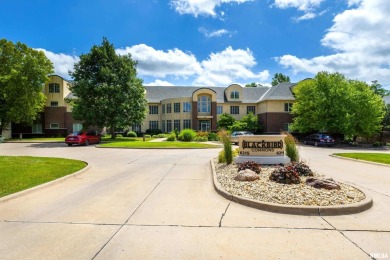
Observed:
{"x":85,"y":138}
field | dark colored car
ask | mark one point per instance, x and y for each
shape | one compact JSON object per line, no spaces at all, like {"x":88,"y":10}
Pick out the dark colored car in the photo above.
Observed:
{"x":234,"y":136}
{"x":319,"y":140}
{"x":85,"y":138}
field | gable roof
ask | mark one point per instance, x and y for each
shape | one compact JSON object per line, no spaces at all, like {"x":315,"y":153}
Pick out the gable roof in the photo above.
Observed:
{"x":282,"y":91}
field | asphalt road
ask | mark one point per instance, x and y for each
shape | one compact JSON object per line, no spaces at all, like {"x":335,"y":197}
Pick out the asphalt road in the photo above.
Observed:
{"x":148,"y":204}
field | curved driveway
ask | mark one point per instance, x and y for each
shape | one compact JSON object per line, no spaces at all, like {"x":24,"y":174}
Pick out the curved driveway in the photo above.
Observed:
{"x":148,"y":204}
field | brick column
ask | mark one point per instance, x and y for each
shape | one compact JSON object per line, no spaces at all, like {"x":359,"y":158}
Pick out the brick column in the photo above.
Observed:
{"x":214,"y":114}
{"x":195,"y":115}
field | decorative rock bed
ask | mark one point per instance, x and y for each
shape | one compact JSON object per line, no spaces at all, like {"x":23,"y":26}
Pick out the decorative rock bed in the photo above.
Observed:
{"x":267,"y":191}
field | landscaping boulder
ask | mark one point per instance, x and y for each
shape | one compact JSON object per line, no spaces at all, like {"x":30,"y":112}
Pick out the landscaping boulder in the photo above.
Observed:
{"x":322,"y":183}
{"x":246,"y":175}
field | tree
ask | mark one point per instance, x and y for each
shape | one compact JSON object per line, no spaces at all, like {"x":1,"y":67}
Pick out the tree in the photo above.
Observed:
{"x":251,"y":85}
{"x":332,"y":103}
{"x":251,"y":122}
{"x":378,"y":89}
{"x":279,"y":78}
{"x":23,"y":73}
{"x":225,"y":121}
{"x":107,"y":89}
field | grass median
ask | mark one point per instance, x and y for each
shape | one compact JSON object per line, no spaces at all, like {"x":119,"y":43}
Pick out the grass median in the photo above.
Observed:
{"x":371,"y":157}
{"x":18,"y":173}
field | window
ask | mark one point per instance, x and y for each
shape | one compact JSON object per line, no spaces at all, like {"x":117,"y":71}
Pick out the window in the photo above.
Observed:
{"x":77,"y":127}
{"x":176,"y":107}
{"x":163,"y":126}
{"x":136,"y":128}
{"x":250,"y":109}
{"x":219,"y":110}
{"x":169,"y":126}
{"x":288,"y":107}
{"x":187,"y":107}
{"x":163,"y":108}
{"x":54,"y":103}
{"x":54,"y":88}
{"x":153,"y":110}
{"x":153,"y":125}
{"x":235,"y":95}
{"x":204,"y":104}
{"x":54,"y":125}
{"x":234,"y":110}
{"x":176,"y":125}
{"x":187,"y":124}
{"x":286,"y":127}
{"x":169,"y":108}
{"x":37,"y":128}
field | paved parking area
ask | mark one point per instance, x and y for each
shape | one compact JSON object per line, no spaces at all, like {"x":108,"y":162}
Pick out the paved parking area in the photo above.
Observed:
{"x":147,"y":204}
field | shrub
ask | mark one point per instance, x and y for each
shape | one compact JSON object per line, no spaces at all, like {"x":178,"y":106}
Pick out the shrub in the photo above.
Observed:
{"x":376,"y":144}
{"x":213,"y":136}
{"x":201,"y":139}
{"x":131,"y":134}
{"x":291,"y":147}
{"x":187,"y":135}
{"x":147,"y":136}
{"x":227,"y":146}
{"x":202,"y":134}
{"x":221,"y":157}
{"x":302,"y":169}
{"x":118,"y":135}
{"x":153,"y":131}
{"x":286,"y":175}
{"x":162,"y":136}
{"x":251,"y":165}
{"x":171,"y":137}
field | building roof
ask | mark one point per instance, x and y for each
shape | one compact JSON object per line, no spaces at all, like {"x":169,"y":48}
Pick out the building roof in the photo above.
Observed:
{"x":282,"y":91}
{"x":249,"y":94}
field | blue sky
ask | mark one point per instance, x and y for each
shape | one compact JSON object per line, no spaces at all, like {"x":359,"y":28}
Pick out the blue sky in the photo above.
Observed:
{"x":212,"y":42}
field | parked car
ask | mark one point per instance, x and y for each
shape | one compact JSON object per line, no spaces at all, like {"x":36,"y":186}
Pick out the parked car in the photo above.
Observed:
{"x":319,"y":140}
{"x":234,"y":136}
{"x":85,"y":138}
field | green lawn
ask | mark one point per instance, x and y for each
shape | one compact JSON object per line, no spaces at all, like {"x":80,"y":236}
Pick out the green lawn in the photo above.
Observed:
{"x":372,"y":157}
{"x":161,"y":145}
{"x":18,"y":173}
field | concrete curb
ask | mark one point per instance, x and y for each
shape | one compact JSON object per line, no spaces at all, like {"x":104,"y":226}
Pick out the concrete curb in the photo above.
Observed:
{"x":44,"y":185}
{"x":358,"y":160}
{"x":294,"y":209}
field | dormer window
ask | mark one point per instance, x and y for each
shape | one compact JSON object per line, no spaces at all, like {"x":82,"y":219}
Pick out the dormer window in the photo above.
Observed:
{"x":235,"y":95}
{"x":54,"y":88}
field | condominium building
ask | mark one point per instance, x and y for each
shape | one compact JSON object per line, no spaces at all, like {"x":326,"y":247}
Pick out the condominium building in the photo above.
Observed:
{"x":175,"y":107}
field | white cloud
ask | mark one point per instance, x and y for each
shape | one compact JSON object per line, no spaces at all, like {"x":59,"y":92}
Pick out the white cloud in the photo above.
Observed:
{"x":359,"y":38}
{"x":302,"y":5}
{"x":229,"y":66}
{"x":158,"y":63}
{"x":216,"y":33}
{"x":220,"y":68}
{"x":201,"y":7}
{"x":306,"y":6}
{"x":62,"y":63}
{"x":158,"y":82}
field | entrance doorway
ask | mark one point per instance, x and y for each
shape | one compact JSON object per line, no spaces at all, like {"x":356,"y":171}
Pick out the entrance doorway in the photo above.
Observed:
{"x":204,"y":125}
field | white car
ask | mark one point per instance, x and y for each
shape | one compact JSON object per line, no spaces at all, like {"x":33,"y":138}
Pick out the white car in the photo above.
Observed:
{"x":234,"y":136}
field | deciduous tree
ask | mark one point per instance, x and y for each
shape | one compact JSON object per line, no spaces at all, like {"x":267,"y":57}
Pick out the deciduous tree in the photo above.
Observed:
{"x":107,"y":88}
{"x":23,"y":73}
{"x":330,"y":102}
{"x":225,"y":121}
{"x":279,"y":78}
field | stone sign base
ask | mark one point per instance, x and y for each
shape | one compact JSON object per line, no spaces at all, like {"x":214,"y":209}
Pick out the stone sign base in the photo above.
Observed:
{"x":263,"y":159}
